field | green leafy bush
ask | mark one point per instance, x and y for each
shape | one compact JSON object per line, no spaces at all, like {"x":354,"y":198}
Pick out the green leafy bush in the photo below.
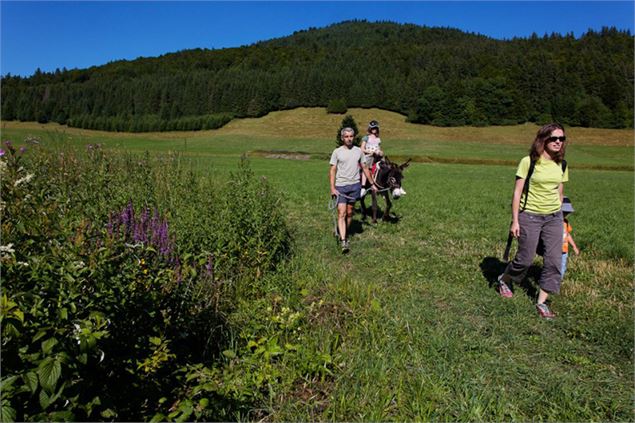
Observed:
{"x":150,"y":123}
{"x":337,"y":106}
{"x":101,"y":291}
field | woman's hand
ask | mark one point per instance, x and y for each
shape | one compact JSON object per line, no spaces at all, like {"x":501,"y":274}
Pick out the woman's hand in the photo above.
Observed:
{"x":515,"y":229}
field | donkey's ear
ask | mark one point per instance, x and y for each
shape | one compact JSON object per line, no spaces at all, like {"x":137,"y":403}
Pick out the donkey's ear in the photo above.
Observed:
{"x":405,"y":165}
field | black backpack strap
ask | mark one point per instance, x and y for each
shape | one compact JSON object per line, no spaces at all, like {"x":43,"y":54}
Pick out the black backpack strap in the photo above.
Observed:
{"x":564,"y":166}
{"x":532,"y":167}
{"x":508,"y":247}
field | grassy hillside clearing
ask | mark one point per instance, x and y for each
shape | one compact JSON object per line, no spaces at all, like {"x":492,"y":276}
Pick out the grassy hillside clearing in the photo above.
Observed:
{"x":312,"y":131}
{"x":315,"y":123}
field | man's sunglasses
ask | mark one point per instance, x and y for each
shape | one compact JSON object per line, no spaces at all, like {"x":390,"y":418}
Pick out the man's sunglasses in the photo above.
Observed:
{"x":554,"y":139}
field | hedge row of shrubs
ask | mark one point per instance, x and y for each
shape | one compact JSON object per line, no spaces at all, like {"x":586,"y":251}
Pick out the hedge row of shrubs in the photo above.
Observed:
{"x":149,"y":123}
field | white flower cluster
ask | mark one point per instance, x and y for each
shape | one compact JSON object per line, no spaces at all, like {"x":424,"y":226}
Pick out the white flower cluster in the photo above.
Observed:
{"x":7,"y":249}
{"x":24,"y":180}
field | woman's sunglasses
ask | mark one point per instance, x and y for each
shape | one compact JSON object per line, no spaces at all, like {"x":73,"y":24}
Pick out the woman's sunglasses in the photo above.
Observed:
{"x":554,"y":139}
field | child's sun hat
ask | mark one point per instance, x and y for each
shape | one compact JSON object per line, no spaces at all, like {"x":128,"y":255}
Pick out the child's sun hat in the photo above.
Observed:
{"x":566,"y":205}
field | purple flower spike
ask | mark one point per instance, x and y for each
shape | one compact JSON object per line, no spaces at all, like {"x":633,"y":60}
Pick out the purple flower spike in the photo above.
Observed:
{"x":146,"y":227}
{"x":1,"y":152}
{"x":127,"y":218}
{"x":137,"y":233}
{"x":145,"y":222}
{"x":22,"y":150}
{"x":10,"y":147}
{"x":209,"y":267}
{"x":110,"y":225}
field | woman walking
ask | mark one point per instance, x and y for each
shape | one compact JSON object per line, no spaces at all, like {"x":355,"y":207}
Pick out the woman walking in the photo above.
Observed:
{"x":537,"y":215}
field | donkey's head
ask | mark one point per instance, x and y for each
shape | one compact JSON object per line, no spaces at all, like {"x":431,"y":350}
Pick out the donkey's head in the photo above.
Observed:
{"x":392,"y":177}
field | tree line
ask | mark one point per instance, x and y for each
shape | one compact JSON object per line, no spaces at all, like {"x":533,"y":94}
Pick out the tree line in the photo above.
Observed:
{"x":438,"y":76}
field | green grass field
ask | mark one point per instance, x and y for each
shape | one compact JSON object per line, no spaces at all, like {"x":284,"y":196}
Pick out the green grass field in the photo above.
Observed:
{"x":412,"y":322}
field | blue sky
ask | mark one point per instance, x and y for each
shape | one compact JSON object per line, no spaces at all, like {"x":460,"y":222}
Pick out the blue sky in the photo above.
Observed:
{"x":80,"y":34}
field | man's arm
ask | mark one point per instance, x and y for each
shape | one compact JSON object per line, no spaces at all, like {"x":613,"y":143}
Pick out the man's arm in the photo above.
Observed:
{"x":332,"y":180}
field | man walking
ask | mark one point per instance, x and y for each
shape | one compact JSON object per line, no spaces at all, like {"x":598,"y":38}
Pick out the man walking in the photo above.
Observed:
{"x":345,"y":182}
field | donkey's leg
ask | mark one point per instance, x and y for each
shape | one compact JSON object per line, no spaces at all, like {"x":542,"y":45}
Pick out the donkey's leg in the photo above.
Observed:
{"x":362,"y":207}
{"x":374,"y":205}
{"x":388,"y":206}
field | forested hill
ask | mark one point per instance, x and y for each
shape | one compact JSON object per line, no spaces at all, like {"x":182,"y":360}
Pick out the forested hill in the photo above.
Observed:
{"x":439,"y":76}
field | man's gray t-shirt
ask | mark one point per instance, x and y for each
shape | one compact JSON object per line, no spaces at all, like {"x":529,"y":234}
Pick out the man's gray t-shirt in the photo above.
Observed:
{"x":347,"y":161}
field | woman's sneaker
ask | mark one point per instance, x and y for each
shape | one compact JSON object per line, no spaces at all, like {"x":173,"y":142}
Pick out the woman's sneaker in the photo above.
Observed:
{"x":345,"y":246}
{"x":544,"y":311}
{"x":503,"y":289}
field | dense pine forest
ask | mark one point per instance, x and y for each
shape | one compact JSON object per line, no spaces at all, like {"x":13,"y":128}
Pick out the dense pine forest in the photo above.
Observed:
{"x":437,"y":76}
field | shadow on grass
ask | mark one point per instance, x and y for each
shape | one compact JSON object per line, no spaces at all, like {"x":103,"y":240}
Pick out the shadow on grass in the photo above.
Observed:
{"x":355,"y":228}
{"x":367,"y":219}
{"x":492,"y":267}
{"x":392,"y":218}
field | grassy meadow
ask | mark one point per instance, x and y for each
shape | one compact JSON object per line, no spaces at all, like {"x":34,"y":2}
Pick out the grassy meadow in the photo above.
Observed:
{"x":409,"y":319}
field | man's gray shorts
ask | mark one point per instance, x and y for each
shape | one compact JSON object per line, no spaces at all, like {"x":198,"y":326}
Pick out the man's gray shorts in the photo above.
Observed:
{"x":349,"y":194}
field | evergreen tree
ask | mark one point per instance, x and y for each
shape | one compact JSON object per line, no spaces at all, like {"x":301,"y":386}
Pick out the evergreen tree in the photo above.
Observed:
{"x":348,"y":122}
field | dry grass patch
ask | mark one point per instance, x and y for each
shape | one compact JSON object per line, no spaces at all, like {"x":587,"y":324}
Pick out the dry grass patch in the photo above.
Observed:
{"x":316,"y":123}
{"x":288,"y":155}
{"x":610,"y":279}
{"x":313,"y":396}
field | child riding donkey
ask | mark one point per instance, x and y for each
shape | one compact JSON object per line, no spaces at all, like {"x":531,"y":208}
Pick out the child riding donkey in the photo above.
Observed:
{"x":387,"y":175}
{"x":371,"y":147}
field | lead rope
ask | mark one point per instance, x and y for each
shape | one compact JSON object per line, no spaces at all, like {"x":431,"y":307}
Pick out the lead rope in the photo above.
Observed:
{"x":332,"y":207}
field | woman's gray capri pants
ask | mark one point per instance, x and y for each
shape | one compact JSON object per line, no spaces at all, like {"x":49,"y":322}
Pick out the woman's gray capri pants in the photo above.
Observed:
{"x":534,"y":227}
